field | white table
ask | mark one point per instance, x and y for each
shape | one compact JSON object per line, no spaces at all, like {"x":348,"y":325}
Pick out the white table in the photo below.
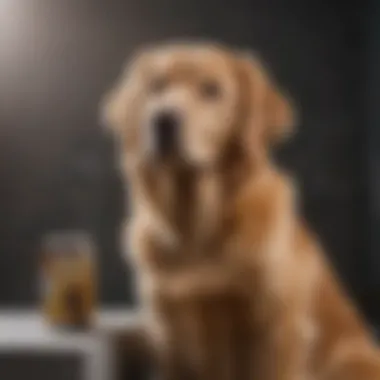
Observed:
{"x":26,"y":331}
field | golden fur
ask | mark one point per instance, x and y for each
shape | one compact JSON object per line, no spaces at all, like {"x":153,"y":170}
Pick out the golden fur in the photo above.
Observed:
{"x":233,"y":285}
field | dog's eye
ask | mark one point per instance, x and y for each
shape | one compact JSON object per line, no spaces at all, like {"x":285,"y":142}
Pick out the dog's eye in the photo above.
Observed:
{"x":158,"y":85}
{"x":210,"y":89}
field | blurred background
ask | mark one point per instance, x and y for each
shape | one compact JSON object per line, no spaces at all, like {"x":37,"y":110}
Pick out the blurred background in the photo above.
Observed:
{"x":58,"y":167}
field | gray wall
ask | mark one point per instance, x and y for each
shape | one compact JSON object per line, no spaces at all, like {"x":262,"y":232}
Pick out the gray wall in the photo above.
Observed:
{"x":57,"y":167}
{"x":372,"y":280}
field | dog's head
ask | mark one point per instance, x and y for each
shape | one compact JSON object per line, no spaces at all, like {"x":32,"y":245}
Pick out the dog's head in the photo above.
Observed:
{"x":189,"y":102}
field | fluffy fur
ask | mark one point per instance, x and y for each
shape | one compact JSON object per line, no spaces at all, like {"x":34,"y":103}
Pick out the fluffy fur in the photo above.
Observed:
{"x":233,"y":285}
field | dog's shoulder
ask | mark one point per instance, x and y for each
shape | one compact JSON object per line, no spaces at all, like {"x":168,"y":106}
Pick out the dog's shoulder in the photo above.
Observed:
{"x":265,"y":199}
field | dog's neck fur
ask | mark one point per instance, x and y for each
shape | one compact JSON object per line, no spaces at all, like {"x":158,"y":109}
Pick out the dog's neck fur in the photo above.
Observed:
{"x":195,"y":206}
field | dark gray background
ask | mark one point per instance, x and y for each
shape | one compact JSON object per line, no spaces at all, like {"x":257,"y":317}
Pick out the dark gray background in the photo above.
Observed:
{"x":57,"y":167}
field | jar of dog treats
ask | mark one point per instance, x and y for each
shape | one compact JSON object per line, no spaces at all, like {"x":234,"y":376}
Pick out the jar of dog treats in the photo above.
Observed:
{"x":68,"y":279}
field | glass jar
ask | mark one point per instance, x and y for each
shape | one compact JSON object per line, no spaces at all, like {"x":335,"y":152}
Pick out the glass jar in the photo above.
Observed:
{"x":68,"y":279}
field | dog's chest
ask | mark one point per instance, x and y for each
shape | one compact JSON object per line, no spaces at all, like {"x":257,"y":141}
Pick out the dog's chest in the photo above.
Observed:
{"x":211,"y":335}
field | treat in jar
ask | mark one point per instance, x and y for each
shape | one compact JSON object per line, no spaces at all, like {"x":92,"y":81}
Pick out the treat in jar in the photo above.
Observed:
{"x":68,"y":279}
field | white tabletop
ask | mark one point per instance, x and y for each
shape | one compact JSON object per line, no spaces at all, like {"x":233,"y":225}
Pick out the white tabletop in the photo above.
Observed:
{"x":27,"y":330}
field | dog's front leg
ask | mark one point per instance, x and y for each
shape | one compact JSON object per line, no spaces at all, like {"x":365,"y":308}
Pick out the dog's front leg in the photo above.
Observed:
{"x":284,"y":351}
{"x":170,"y":366}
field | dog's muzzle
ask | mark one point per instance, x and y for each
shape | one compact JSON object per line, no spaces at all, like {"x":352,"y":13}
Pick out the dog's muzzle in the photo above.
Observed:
{"x":165,"y":130}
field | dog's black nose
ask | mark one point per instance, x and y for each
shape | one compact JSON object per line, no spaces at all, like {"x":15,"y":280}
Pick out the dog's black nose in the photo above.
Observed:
{"x":165,"y":129}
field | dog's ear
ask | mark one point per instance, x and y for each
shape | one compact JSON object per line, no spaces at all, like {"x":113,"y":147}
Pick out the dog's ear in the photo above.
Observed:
{"x":118,"y":108}
{"x":269,"y":115}
{"x":113,"y":108}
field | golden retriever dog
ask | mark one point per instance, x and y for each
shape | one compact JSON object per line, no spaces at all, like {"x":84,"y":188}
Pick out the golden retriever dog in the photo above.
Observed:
{"x":233,"y":285}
